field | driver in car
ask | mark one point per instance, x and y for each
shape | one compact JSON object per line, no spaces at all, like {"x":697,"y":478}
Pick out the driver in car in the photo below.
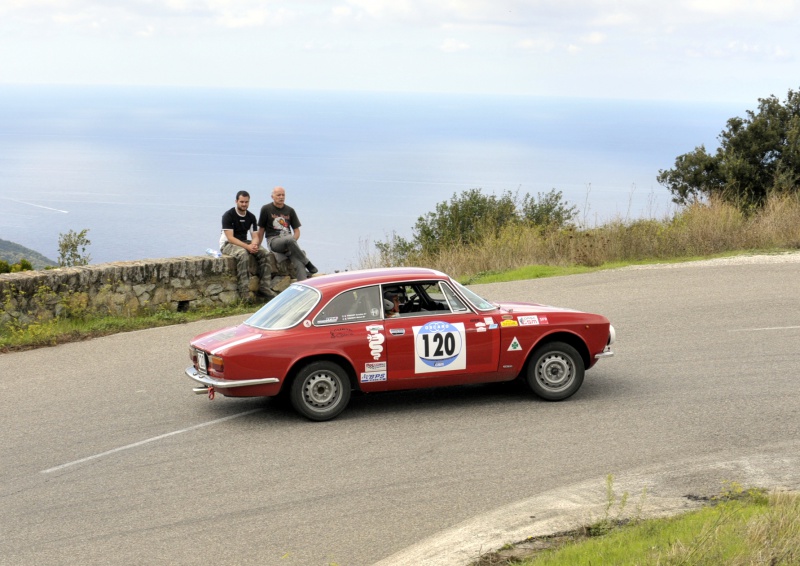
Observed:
{"x":394,"y":301}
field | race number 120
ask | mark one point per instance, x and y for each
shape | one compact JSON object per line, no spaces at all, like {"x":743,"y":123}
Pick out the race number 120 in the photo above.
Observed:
{"x":439,"y":346}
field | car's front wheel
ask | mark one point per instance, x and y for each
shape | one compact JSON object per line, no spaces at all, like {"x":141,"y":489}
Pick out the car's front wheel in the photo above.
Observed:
{"x":555,"y":371}
{"x":320,"y":391}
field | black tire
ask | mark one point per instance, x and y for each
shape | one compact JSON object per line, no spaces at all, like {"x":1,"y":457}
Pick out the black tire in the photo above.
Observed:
{"x":320,"y":391}
{"x":555,"y":371}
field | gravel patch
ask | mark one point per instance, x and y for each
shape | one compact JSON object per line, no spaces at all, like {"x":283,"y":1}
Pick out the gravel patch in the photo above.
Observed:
{"x":782,"y":257}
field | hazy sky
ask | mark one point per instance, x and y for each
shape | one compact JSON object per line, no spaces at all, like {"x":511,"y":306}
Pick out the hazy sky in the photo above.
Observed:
{"x":717,"y":50}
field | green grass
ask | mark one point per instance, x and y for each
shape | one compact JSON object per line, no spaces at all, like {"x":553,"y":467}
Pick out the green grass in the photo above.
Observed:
{"x":738,"y":528}
{"x":527,"y":272}
{"x":539,"y":271}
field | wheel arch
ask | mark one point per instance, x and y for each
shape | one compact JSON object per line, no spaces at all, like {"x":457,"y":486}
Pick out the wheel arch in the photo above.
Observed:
{"x":561,"y":336}
{"x":340,"y":360}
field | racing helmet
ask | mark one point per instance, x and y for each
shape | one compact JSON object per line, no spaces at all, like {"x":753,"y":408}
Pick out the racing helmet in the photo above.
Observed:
{"x":389,"y":294}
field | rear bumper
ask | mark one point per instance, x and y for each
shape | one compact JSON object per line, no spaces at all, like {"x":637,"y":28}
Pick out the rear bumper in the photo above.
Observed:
{"x":216,"y":383}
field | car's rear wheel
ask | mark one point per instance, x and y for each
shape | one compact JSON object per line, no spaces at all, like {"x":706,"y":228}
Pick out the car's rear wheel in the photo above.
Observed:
{"x":555,"y":371}
{"x":320,"y":391}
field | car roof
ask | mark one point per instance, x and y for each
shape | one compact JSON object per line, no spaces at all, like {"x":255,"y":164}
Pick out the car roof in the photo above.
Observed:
{"x":347,"y":279}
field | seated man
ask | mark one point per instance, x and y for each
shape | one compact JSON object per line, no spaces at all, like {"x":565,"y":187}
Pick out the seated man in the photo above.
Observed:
{"x":279,"y":224}
{"x":236,"y":223}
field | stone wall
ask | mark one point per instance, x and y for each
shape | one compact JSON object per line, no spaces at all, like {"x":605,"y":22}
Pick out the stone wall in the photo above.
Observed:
{"x":123,"y":288}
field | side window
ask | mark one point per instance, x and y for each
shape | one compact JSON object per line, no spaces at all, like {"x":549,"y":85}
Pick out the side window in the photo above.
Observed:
{"x":420,"y":299}
{"x":357,"y":305}
{"x":456,"y":304}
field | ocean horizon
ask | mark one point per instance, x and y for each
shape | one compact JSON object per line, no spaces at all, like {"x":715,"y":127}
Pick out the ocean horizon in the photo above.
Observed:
{"x":149,"y":171}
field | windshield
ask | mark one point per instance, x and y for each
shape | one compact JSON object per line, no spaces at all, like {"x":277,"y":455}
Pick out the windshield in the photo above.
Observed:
{"x":287,"y":309}
{"x":479,"y":302}
{"x":456,"y":305}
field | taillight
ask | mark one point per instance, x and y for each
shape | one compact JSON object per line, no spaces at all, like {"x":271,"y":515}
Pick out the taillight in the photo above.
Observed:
{"x":216,"y":363}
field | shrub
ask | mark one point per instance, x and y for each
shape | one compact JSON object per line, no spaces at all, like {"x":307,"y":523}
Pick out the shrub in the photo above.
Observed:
{"x":72,"y":248}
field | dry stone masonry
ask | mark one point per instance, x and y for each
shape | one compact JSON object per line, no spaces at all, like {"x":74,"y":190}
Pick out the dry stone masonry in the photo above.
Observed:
{"x":123,"y":288}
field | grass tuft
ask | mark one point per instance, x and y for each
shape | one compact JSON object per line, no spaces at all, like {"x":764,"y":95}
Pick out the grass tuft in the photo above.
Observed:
{"x":739,"y":527}
{"x":705,"y":229}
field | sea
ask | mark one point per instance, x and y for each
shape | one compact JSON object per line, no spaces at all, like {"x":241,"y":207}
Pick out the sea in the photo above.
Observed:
{"x":149,"y":171}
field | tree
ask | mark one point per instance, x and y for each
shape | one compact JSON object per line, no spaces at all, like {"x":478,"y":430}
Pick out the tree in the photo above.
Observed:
{"x":72,"y":248}
{"x":757,"y":156}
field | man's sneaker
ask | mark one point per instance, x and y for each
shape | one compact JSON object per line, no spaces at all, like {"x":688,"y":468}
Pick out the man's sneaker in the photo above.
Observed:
{"x":267,"y":293}
{"x":310,"y":267}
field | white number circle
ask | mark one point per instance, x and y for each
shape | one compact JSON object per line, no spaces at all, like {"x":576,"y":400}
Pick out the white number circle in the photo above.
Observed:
{"x":438,"y":344}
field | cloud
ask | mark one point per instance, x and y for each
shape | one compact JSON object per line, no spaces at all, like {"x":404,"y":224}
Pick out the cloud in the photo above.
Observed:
{"x":771,"y":10}
{"x":688,"y":45}
{"x":539,"y":45}
{"x":594,"y":38}
{"x":451,"y":45}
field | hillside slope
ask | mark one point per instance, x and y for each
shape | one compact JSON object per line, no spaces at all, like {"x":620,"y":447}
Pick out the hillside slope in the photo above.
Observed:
{"x":12,"y":253}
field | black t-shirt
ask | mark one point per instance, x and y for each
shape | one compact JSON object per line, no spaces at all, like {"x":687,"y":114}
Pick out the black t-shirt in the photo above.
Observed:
{"x":277,"y":221}
{"x":239,"y":224}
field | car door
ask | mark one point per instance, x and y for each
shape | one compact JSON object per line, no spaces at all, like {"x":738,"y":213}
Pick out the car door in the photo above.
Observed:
{"x":353,"y":328}
{"x":442,"y":343}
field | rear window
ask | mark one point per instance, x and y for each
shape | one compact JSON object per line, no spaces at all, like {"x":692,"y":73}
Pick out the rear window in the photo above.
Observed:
{"x":354,"y":305}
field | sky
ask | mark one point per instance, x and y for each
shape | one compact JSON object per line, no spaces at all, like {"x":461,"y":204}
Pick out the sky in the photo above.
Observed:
{"x":694,"y":50}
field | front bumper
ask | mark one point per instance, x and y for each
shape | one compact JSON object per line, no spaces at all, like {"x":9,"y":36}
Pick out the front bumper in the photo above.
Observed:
{"x":216,"y":383}
{"x":612,"y":337}
{"x":607,"y":353}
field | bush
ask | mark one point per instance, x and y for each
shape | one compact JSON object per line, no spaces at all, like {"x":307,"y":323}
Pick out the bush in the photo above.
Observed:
{"x":473,"y":217}
{"x":72,"y":248}
{"x":22,"y":265}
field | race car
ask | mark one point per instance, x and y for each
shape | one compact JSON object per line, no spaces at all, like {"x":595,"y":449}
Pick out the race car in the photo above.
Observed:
{"x":391,"y":329}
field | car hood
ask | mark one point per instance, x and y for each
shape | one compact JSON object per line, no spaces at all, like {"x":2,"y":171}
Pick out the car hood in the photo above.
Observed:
{"x":529,"y":308}
{"x":217,"y":341}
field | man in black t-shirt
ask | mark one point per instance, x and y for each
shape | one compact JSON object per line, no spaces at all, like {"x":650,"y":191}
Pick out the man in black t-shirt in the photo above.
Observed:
{"x":234,"y":241}
{"x":279,"y":222}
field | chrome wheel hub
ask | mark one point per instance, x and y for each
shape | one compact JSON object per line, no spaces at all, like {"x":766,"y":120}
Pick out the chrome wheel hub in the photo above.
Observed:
{"x":555,"y":371}
{"x":320,"y":390}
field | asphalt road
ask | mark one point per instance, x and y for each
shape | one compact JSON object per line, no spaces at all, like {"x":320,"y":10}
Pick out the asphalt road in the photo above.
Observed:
{"x":108,"y":458}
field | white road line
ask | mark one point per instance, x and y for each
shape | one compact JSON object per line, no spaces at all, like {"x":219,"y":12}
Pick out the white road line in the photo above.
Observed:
{"x":141,"y":442}
{"x":768,"y":328}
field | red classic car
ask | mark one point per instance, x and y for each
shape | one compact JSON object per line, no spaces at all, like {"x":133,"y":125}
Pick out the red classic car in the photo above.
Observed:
{"x":390,"y":329}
